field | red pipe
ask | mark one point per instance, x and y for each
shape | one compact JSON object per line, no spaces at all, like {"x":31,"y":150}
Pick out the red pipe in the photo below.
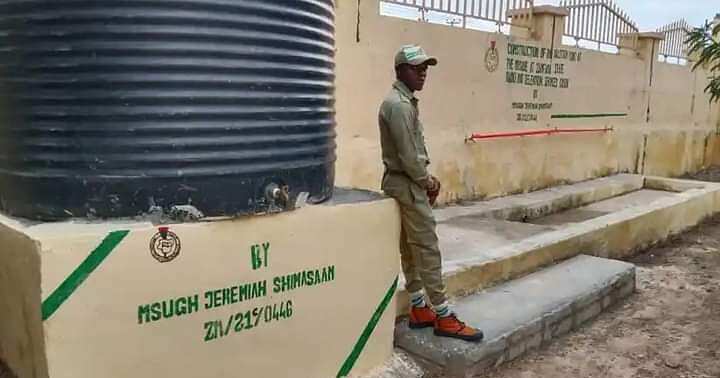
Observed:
{"x":508,"y":134}
{"x":583,"y":130}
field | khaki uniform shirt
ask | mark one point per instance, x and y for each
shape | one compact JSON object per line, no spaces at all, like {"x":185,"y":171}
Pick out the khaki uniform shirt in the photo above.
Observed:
{"x":401,"y":136}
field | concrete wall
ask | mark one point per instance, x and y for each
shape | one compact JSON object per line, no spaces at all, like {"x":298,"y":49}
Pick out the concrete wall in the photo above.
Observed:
{"x":103,"y":294}
{"x":21,"y":338}
{"x":462,"y":97}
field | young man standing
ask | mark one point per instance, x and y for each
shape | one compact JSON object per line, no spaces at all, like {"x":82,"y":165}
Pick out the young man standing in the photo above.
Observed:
{"x":407,"y":180}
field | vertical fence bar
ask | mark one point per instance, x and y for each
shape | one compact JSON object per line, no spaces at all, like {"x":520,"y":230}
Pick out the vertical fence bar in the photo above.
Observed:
{"x":606,"y":24}
{"x":671,"y":38}
{"x":464,"y":12}
{"x":582,"y":10}
{"x":578,"y":17}
{"x":582,"y":21}
{"x":500,"y":12}
{"x":569,"y":21}
{"x":602,"y":18}
{"x":595,"y":24}
{"x":507,"y":9}
{"x":611,"y":25}
{"x":598,"y":22}
{"x":618,"y":24}
{"x":681,"y":39}
{"x":678,"y":46}
{"x":588,"y":20}
{"x":663,"y":42}
{"x":671,"y":35}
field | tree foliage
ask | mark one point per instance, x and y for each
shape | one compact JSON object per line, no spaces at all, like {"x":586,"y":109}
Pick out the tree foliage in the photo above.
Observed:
{"x":700,"y":41}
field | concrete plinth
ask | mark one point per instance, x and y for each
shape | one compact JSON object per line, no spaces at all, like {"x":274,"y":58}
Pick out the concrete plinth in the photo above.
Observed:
{"x":523,"y":314}
{"x":301,"y":294}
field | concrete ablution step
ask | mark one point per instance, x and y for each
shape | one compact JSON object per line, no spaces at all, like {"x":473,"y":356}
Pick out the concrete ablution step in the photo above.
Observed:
{"x":524,"y":314}
{"x":490,"y":242}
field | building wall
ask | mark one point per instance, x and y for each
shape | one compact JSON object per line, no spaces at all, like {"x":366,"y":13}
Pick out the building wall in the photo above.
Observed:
{"x":461,"y":97}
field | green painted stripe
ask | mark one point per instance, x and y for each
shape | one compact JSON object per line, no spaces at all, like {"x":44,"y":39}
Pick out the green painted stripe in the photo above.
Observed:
{"x":81,"y":273}
{"x":598,"y":115}
{"x":369,"y":328}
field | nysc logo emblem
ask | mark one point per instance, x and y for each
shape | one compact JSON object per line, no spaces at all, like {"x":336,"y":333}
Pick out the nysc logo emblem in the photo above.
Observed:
{"x":165,"y":245}
{"x":492,"y":58}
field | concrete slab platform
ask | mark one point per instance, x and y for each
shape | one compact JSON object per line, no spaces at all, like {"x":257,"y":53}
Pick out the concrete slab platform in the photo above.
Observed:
{"x":480,"y":251}
{"x":525,"y":313}
{"x":482,"y":236}
{"x":598,"y":209}
{"x":536,"y":204}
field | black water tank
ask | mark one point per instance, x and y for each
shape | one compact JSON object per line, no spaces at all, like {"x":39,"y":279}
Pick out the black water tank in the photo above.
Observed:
{"x":108,"y":107}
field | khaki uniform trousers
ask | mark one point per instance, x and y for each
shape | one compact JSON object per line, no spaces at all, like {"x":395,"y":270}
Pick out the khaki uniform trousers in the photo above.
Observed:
{"x":419,"y":250}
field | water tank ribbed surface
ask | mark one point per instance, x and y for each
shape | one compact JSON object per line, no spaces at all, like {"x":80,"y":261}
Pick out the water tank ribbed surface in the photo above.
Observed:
{"x":110,"y":106}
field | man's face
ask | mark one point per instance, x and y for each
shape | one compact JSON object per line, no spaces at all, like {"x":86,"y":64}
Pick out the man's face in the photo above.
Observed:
{"x":413,"y":76}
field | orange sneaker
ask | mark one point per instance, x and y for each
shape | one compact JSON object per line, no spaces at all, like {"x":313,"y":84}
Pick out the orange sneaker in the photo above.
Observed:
{"x":421,"y":317}
{"x":450,"y":326}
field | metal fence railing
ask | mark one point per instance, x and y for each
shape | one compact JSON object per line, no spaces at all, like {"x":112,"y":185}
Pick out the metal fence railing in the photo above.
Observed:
{"x":597,"y":21}
{"x":485,"y":10}
{"x":675,"y":35}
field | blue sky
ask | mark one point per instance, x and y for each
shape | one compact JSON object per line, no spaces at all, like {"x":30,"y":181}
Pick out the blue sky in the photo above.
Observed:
{"x":651,"y":14}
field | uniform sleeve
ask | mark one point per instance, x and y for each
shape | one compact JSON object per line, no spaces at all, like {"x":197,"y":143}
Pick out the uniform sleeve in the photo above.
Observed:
{"x":401,"y":124}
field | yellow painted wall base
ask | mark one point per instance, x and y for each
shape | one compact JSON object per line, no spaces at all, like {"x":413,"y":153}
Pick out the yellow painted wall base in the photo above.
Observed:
{"x":287,"y":295}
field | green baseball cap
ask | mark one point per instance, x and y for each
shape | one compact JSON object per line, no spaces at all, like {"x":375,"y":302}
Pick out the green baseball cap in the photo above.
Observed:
{"x":414,"y":55}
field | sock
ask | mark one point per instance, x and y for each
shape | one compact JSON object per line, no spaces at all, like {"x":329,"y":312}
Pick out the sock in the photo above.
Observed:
{"x":417,"y":299}
{"x":443,"y":310}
